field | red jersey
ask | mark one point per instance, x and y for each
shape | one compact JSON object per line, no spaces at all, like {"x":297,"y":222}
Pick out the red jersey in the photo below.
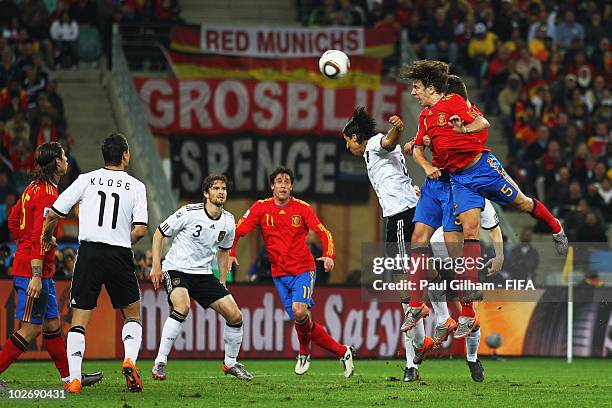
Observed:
{"x":451,"y":150}
{"x":284,"y":230}
{"x":26,"y":221}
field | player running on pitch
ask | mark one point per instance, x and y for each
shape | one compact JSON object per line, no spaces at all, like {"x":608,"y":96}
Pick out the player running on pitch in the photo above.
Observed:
{"x":284,"y":222}
{"x":200,"y":232}
{"x":33,"y":267}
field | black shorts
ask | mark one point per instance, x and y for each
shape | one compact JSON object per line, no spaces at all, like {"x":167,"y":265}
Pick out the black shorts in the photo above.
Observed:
{"x":399,"y":233}
{"x":203,"y":288}
{"x":100,"y":264}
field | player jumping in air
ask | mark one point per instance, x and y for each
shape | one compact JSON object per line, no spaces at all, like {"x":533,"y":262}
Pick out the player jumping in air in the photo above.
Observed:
{"x":33,"y":267}
{"x":397,"y":197}
{"x":474,"y":172}
{"x":284,"y":222}
{"x":200,"y":232}
{"x":112,"y":216}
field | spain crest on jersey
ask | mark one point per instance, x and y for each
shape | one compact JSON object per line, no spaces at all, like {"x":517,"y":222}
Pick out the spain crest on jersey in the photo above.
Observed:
{"x":222,"y":235}
{"x":296,"y":220}
{"x":442,"y":119}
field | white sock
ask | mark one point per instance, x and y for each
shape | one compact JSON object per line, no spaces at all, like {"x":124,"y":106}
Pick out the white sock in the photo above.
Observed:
{"x":418,"y":334}
{"x":132,"y":337}
{"x":75,"y":349}
{"x":438,"y":301}
{"x":232,"y":339}
{"x":172,"y":328}
{"x":409,"y":350}
{"x":472,"y":341}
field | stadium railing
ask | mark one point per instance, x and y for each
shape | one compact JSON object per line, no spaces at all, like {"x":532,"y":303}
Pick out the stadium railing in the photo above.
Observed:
{"x":131,"y":119}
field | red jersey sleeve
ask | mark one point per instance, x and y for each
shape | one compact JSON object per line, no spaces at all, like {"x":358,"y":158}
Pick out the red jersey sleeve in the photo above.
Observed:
{"x":41,"y":203}
{"x":313,"y":223}
{"x":458,"y":106}
{"x":14,"y":219}
{"x":247,"y":223}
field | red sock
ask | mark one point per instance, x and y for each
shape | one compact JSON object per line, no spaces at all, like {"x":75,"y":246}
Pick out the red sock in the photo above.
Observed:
{"x":303,"y":330}
{"x":471,"y":255}
{"x":467,"y":309}
{"x":540,"y":212}
{"x":419,"y":258}
{"x":324,"y":340}
{"x":14,"y":346}
{"x":54,"y":342}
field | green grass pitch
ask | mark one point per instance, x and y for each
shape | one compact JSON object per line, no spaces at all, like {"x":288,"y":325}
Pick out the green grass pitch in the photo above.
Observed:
{"x":514,"y":382}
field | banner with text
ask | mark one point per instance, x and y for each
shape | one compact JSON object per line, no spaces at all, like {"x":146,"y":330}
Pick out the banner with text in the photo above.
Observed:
{"x":532,"y":329}
{"x":323,"y":168}
{"x":283,"y":42}
{"x":214,"y":107}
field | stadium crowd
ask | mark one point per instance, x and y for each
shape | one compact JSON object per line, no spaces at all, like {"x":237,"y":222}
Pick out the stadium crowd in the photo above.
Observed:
{"x":544,"y":68}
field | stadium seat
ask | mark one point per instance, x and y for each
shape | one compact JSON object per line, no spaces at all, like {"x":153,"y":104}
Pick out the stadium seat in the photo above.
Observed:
{"x":89,"y":44}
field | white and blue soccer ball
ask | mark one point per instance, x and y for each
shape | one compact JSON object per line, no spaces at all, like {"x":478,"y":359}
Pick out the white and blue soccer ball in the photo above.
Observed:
{"x":334,"y":64}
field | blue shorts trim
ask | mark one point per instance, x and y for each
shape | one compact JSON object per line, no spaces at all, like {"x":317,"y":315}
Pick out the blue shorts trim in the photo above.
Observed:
{"x":295,"y":288}
{"x":485,"y":179}
{"x":31,"y":310}
{"x":436,"y":207}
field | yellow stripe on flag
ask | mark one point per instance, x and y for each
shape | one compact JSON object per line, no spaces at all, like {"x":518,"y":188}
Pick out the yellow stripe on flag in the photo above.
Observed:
{"x":353,"y":79}
{"x":569,"y":264}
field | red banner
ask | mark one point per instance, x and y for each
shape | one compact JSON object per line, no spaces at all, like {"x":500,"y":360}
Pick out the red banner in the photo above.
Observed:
{"x":214,"y":107}
{"x":283,"y":42}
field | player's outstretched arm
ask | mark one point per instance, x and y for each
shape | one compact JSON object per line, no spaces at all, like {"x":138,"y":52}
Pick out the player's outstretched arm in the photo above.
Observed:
{"x":393,"y":135}
{"x":49,"y":226}
{"x":223,"y":260}
{"x":156,"y":249}
{"x":495,"y":264}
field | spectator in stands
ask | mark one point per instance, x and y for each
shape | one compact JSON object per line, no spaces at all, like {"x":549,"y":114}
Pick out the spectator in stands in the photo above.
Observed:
{"x":480,"y":48}
{"x":34,"y":81}
{"x":524,"y":258}
{"x":440,"y":39}
{"x":325,"y":15}
{"x":5,"y":140}
{"x":65,"y":33}
{"x":568,"y":30}
{"x":19,"y":129}
{"x":54,"y":98}
{"x":351,"y":14}
{"x":8,"y":68}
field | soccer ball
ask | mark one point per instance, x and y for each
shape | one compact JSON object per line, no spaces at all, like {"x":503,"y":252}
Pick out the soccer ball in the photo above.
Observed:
{"x":334,"y":64}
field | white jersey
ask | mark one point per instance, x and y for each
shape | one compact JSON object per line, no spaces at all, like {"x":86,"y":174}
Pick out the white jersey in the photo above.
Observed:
{"x":389,"y":177}
{"x":197,"y":236}
{"x":488,"y":221}
{"x":111,"y":201}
